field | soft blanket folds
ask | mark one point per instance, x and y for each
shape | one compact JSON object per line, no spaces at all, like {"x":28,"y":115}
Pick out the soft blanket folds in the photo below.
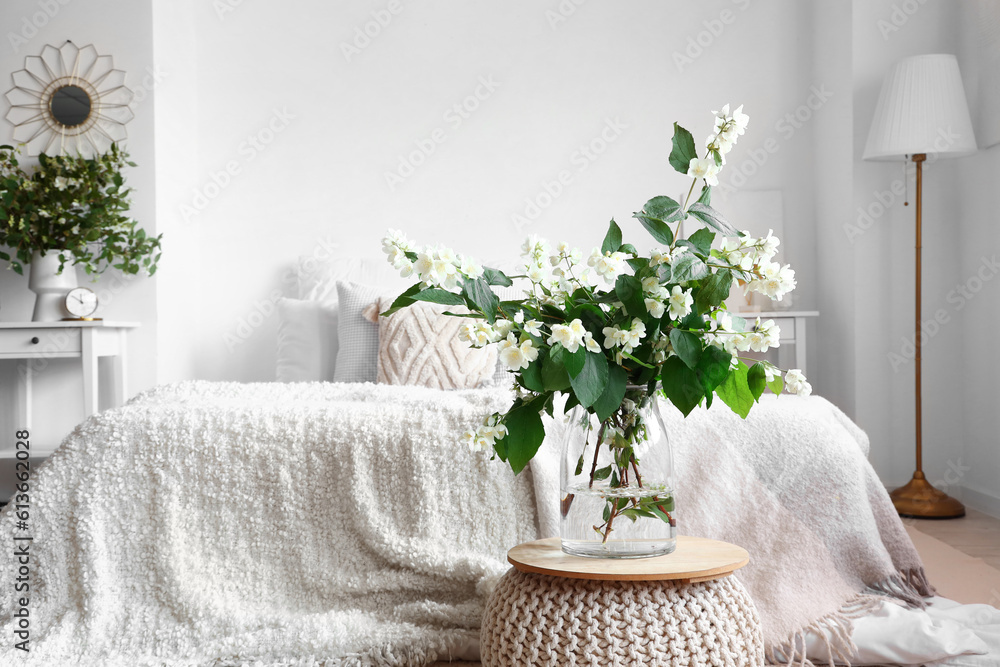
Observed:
{"x":228,"y":524}
{"x":792,"y":485}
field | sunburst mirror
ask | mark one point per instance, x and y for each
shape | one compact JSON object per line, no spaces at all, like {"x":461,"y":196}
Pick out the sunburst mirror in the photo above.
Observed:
{"x":69,"y":100}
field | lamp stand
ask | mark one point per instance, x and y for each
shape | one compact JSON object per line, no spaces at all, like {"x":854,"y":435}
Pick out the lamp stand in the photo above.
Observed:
{"x":918,"y":498}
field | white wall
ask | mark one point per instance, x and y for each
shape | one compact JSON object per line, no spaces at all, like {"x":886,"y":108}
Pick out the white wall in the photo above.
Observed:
{"x":323,"y":176}
{"x":122,"y":30}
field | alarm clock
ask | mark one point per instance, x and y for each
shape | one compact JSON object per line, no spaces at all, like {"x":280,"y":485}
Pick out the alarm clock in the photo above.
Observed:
{"x":81,"y":303}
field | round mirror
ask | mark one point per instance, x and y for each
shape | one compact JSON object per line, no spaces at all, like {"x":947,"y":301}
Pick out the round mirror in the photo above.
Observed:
{"x":70,"y":106}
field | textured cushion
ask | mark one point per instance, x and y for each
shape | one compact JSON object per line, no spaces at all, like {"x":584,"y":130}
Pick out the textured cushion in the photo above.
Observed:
{"x":419,"y":345}
{"x":307,"y":341}
{"x":357,"y":356}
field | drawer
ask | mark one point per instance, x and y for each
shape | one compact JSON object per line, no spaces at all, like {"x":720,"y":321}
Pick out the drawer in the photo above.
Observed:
{"x":50,"y":342}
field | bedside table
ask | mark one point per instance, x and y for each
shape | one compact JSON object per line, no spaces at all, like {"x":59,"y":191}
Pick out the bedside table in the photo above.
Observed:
{"x":86,"y":341}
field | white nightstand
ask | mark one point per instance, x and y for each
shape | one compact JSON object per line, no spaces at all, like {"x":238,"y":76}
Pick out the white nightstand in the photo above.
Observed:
{"x":87,"y":341}
{"x":793,"y":329}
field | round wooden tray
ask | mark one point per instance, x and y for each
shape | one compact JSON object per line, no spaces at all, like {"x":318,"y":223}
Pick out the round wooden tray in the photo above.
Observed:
{"x":695,"y":559}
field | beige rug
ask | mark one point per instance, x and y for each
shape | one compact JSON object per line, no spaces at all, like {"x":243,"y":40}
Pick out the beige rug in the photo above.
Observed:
{"x":957,"y":575}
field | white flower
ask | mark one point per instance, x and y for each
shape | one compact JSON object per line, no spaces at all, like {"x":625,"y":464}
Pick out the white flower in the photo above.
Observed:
{"x":704,"y":168}
{"x":796,"y":383}
{"x":503,"y":328}
{"x":534,"y":247}
{"x":533,"y":327}
{"x":519,"y":317}
{"x":665,"y":256}
{"x":776,"y":281}
{"x":769,"y":373}
{"x":655,"y":308}
{"x":741,"y":120}
{"x":470,"y":268}
{"x":607,"y":265}
{"x":627,"y":339}
{"x":767,"y":247}
{"x":536,"y":273}
{"x":680,"y":302}
{"x":570,"y":336}
{"x":471,"y":440}
{"x":516,"y":356}
{"x":60,"y":183}
{"x":467,"y":333}
{"x":588,"y":340}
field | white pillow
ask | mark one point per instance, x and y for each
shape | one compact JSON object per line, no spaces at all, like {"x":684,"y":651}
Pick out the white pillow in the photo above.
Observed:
{"x":307,"y":341}
{"x":895,"y":635}
{"x":357,"y":356}
{"x":318,"y":279}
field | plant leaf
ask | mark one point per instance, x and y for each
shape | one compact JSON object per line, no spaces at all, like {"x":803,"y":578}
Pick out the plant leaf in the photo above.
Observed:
{"x":713,"y":219}
{"x":688,"y":267}
{"x":437,"y":295}
{"x":757,"y":380}
{"x":702,"y":240}
{"x":525,"y":433}
{"x":713,"y":291}
{"x":687,"y":346}
{"x":482,"y":297}
{"x":713,"y":367}
{"x":614,"y":392}
{"x":683,"y":150}
{"x":613,"y":239}
{"x":628,"y":289}
{"x":496,"y":277}
{"x":681,"y":385}
{"x":590,"y":382}
{"x":735,"y":392}
{"x":403,"y":300}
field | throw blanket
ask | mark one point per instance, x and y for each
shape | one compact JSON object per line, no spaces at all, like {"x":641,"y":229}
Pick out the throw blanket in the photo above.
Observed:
{"x":267,"y":524}
{"x":792,"y":485}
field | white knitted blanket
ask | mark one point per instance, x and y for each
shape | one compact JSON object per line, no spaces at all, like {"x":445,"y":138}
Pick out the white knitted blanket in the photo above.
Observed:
{"x":266,"y":524}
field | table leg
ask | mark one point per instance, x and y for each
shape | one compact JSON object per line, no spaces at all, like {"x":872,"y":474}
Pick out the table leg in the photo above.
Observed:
{"x":90,"y":384}
{"x":24,"y":373}
{"x":800,"y":344}
{"x":120,"y":362}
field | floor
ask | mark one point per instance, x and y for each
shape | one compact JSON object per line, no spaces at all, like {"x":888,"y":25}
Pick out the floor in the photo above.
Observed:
{"x":975,"y":534}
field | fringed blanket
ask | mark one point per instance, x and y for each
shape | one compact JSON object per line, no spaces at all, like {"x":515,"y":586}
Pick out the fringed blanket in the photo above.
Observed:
{"x":267,"y":524}
{"x":792,"y":485}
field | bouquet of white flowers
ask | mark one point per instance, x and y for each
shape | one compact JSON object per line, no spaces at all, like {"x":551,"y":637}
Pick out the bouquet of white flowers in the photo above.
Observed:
{"x":589,"y":327}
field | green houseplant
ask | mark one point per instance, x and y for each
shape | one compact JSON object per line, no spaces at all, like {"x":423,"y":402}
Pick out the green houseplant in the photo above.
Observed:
{"x":74,"y":207}
{"x":611,"y":331}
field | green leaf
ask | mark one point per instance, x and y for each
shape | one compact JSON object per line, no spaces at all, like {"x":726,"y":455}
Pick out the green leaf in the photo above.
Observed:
{"x":683,"y":150}
{"x":482,"y":297}
{"x":602,"y":473}
{"x":757,"y":380}
{"x":688,"y":267}
{"x":496,"y":277}
{"x":574,"y":361}
{"x":713,"y":291}
{"x":713,"y":219}
{"x":554,"y":375}
{"x":655,"y":215}
{"x":531,"y":377}
{"x":687,"y":346}
{"x":713,"y":367}
{"x":681,"y":385}
{"x":437,"y":295}
{"x":579,"y":466}
{"x":656,"y":228}
{"x":525,"y":433}
{"x":592,"y":379}
{"x":628,"y":289}
{"x":735,"y":392}
{"x":777,"y":385}
{"x":403,"y":300}
{"x":613,"y":239}
{"x":706,"y":195}
{"x":702,"y":240}
{"x":629,"y":249}
{"x":611,"y":399}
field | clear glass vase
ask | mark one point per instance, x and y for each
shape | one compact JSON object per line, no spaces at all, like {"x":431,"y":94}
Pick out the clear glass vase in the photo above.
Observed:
{"x":617,"y":496}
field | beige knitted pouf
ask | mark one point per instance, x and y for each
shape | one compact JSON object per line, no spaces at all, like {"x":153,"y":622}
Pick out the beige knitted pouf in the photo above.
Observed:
{"x":535,"y":620}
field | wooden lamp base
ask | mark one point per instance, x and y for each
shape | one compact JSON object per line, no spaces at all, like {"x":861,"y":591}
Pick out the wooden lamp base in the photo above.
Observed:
{"x":919,"y":500}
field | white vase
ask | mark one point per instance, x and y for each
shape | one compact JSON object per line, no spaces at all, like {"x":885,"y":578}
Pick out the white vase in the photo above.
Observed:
{"x":50,"y":286}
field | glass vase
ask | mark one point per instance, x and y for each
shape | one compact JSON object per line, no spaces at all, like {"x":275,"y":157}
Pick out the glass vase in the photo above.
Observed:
{"x":616,"y":495}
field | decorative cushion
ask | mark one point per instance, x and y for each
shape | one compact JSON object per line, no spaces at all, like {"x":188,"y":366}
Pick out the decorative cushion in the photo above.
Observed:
{"x":307,"y":341}
{"x":317,"y":279}
{"x":419,"y":345}
{"x":357,"y":356}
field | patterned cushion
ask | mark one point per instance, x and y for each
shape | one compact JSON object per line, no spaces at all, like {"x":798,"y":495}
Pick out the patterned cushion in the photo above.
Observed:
{"x":419,"y":345}
{"x":357,"y":356}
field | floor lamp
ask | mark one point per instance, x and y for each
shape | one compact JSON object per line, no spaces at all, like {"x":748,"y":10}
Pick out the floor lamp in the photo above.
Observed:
{"x":922,"y":111}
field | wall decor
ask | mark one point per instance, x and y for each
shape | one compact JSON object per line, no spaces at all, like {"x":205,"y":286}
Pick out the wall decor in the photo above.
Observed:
{"x":69,"y":100}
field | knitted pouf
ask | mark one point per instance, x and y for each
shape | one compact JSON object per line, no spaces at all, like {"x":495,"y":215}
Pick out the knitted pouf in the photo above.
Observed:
{"x":535,"y":620}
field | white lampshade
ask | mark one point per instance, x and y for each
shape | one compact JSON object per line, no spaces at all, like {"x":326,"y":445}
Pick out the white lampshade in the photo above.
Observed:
{"x":921,"y":109}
